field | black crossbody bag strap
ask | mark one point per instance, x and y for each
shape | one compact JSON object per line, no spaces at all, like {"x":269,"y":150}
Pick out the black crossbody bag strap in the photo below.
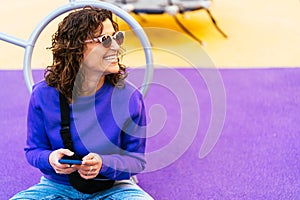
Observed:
{"x":86,"y":186}
{"x":65,"y":122}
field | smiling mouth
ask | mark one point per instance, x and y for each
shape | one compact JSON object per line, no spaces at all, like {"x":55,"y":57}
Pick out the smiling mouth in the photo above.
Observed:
{"x":111,"y":58}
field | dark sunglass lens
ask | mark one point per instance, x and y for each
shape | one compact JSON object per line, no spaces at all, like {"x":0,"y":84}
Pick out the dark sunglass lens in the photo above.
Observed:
{"x":106,"y":41}
{"x":120,"y":38}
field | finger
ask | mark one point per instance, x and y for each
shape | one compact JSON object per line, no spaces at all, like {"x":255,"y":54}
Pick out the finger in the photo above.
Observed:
{"x":68,"y":170}
{"x":77,"y":167}
{"x":59,"y":171}
{"x":86,"y":170}
{"x":92,"y":159}
{"x":65,"y":166}
{"x":89,"y":162}
{"x":90,"y":156}
{"x":61,"y":168}
{"x":66,"y":152}
{"x":90,"y":172}
{"x":85,"y":175}
{"x":97,"y":157}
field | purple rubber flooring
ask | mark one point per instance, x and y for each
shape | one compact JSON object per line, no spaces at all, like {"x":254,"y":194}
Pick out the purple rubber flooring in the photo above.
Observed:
{"x":257,"y":155}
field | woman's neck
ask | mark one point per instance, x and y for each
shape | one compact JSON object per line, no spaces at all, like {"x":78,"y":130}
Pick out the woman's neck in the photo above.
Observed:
{"x":91,"y":85}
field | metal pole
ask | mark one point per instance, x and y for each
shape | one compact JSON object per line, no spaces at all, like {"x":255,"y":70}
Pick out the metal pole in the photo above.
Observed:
{"x":29,"y":45}
{"x":116,"y":10}
{"x":13,"y":40}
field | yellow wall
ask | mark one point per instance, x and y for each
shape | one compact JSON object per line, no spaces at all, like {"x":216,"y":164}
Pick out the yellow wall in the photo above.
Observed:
{"x":261,"y":33}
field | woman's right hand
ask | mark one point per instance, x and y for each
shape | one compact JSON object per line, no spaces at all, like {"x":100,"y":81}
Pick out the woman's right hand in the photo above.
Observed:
{"x":59,"y":168}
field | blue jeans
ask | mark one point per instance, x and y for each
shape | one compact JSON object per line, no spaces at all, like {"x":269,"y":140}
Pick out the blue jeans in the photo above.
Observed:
{"x":47,"y":189}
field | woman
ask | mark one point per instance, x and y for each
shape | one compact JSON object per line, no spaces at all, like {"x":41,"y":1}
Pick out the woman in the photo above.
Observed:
{"x":107,"y":115}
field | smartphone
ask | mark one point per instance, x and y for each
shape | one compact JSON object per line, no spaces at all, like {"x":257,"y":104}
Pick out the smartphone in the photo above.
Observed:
{"x":69,"y":161}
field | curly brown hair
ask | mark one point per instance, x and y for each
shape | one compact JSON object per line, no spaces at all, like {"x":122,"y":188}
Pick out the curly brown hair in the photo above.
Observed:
{"x":68,"y":47}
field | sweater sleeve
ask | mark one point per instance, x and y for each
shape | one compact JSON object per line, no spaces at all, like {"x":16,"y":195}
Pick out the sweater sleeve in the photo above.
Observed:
{"x":131,"y":161}
{"x":38,"y":147}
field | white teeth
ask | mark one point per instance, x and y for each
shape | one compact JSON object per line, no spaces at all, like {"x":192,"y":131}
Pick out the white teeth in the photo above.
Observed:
{"x":110,"y":57}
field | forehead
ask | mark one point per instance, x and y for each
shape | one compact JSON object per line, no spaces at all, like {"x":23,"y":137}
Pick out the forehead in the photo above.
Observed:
{"x":107,"y":28}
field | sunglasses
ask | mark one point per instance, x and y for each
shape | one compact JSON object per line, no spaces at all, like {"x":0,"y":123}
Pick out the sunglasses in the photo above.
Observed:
{"x":106,"y":40}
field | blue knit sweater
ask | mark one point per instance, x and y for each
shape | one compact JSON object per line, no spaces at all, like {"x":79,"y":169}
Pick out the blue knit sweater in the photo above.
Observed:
{"x":111,"y":123}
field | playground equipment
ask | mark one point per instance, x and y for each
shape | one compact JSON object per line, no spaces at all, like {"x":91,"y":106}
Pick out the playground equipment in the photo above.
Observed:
{"x":29,"y":45}
{"x":172,"y":7}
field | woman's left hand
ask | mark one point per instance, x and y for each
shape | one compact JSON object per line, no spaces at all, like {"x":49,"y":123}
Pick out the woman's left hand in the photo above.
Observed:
{"x":91,"y":165}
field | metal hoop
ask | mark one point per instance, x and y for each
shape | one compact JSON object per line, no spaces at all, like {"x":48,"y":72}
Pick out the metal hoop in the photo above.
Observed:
{"x":29,"y":45}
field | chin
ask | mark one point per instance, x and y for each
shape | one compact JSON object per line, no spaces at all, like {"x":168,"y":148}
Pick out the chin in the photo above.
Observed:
{"x":112,"y":69}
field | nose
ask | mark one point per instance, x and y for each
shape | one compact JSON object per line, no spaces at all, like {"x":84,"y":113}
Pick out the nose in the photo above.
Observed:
{"x":114,"y":45}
